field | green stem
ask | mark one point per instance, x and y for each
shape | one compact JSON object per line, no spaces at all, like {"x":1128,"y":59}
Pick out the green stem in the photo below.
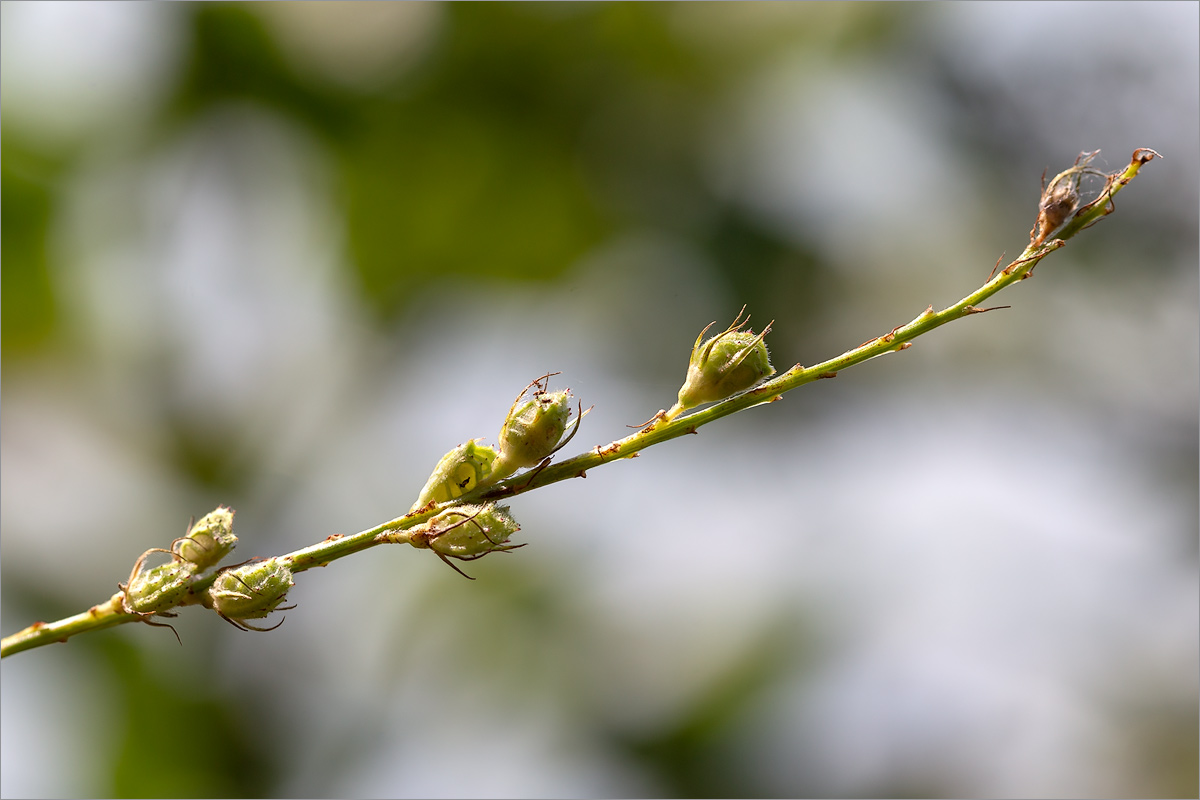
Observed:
{"x":659,"y":430}
{"x":335,"y":547}
{"x":104,"y":615}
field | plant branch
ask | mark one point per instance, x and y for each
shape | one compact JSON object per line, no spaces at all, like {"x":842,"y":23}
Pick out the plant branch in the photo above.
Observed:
{"x":1061,"y":192}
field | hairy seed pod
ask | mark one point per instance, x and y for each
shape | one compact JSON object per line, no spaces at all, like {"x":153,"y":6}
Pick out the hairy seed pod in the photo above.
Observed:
{"x":462,"y":469}
{"x":464,"y":533}
{"x":158,"y":589}
{"x":251,"y":591}
{"x":533,"y":429}
{"x":730,"y":362}
{"x":208,"y":541}
{"x":467,"y":532}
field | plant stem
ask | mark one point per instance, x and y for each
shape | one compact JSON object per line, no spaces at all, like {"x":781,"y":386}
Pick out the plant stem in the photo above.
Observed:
{"x":658,"y":430}
{"x":104,"y":615}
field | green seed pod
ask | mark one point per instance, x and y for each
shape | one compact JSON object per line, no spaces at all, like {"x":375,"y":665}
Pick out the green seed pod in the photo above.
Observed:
{"x":467,"y":533}
{"x":462,"y":469}
{"x":158,"y":589}
{"x":251,"y":591}
{"x":208,"y":541}
{"x":533,"y":429}
{"x":730,"y":362}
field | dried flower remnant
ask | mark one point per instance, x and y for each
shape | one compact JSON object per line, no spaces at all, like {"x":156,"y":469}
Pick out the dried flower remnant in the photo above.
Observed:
{"x":1060,"y":199}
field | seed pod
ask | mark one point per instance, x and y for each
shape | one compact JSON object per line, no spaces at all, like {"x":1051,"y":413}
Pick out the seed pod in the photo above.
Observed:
{"x":251,"y":591}
{"x":466,"y":533}
{"x":208,"y":541}
{"x":462,"y":469}
{"x":730,"y":362}
{"x":533,"y":429}
{"x":158,"y":589}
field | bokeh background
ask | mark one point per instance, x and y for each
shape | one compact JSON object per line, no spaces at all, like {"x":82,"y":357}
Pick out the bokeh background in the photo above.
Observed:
{"x":283,"y":256}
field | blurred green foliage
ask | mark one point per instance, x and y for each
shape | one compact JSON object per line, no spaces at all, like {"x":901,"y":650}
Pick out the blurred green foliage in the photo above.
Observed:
{"x":221,"y":752}
{"x":476,"y":163}
{"x":27,"y":200}
{"x":529,"y":134}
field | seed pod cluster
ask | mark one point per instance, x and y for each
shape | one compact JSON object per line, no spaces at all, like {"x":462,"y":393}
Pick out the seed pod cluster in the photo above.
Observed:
{"x":156,"y":590}
{"x":532,"y":432}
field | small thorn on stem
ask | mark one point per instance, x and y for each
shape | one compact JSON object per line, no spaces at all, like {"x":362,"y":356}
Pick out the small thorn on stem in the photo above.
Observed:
{"x":890,"y":336}
{"x":992,"y":274}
